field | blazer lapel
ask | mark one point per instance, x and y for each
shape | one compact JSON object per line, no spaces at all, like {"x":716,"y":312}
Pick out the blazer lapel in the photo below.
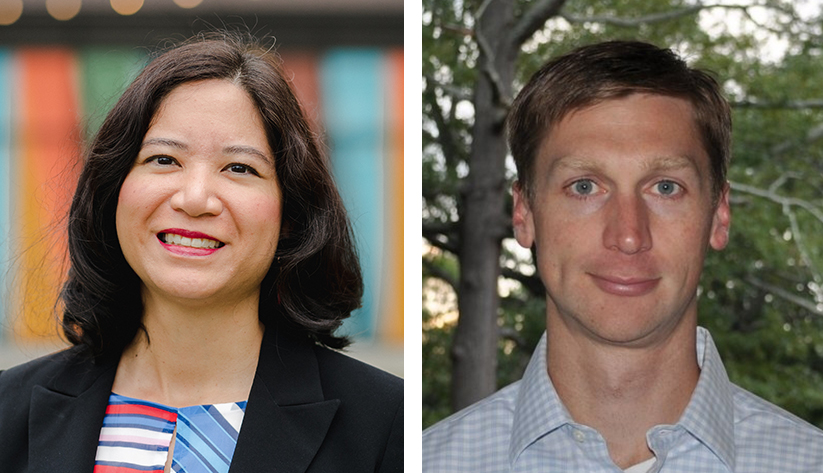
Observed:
{"x":287,"y":417}
{"x":66,"y":416}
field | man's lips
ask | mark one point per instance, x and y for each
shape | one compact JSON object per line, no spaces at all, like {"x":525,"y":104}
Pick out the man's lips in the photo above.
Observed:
{"x":620,"y":286}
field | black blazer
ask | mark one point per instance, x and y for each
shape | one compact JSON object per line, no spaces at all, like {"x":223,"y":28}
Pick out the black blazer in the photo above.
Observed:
{"x":310,"y":409}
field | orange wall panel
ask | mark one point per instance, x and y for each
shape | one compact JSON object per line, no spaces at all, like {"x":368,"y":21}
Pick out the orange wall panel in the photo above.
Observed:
{"x":48,"y":146}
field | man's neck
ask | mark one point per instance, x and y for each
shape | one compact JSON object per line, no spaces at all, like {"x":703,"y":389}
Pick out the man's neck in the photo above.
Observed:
{"x":622,"y":392}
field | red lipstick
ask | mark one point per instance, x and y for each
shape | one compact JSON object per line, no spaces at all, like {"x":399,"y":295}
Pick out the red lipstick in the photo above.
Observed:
{"x":180,"y":249}
{"x":189,"y":234}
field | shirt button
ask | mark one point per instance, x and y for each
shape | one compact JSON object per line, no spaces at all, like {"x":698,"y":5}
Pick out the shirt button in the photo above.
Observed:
{"x":579,"y":436}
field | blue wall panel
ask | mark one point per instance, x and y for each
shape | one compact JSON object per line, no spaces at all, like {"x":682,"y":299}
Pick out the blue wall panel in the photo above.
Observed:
{"x":5,"y":183}
{"x":352,"y":84}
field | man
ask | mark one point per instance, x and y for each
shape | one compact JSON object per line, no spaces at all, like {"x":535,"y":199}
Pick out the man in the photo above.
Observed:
{"x":621,"y":151}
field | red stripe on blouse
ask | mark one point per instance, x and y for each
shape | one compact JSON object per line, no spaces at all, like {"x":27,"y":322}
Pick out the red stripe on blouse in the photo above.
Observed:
{"x":141,"y":410}
{"x":120,"y":469}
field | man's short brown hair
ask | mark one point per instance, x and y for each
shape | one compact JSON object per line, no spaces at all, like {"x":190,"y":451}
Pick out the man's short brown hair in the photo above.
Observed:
{"x":592,"y":74}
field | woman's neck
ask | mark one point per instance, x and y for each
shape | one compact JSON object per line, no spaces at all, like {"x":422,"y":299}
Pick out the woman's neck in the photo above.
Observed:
{"x":191,"y":356}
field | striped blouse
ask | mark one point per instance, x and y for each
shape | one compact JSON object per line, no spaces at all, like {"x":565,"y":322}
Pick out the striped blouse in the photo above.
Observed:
{"x":136,"y":436}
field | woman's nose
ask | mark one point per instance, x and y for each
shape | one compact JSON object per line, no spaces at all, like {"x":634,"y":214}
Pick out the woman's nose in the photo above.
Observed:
{"x":196,"y":195}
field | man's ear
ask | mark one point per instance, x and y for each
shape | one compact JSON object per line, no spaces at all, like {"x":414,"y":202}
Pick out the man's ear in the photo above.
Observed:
{"x":721,"y":220}
{"x":522,"y":217}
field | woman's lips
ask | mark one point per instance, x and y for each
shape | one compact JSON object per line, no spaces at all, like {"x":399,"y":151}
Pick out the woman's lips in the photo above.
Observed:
{"x":188,"y":243}
{"x":630,"y":287}
{"x":189,"y":233}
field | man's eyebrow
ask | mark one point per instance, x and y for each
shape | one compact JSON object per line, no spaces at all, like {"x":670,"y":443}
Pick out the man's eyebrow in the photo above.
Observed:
{"x":660,"y":163}
{"x":671,"y":163}
{"x":574,"y":163}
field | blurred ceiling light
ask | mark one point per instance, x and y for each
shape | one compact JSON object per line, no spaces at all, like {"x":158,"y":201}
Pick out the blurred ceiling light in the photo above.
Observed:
{"x":10,"y":11}
{"x":127,"y":7}
{"x":188,"y":3}
{"x":63,"y":9}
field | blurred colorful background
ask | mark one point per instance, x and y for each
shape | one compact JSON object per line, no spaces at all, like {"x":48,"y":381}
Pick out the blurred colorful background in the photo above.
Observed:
{"x":63,"y":64}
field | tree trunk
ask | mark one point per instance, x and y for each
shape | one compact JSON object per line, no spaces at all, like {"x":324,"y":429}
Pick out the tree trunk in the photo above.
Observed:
{"x":474,"y":349}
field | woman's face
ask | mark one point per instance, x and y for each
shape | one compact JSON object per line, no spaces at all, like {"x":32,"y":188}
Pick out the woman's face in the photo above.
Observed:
{"x":198,"y":216}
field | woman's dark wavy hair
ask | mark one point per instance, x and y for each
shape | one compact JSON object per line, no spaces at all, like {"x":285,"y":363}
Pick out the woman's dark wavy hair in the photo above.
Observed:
{"x":314,"y":282}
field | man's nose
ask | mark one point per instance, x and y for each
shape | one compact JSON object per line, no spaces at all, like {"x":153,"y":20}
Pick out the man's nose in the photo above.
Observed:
{"x":627,"y":225}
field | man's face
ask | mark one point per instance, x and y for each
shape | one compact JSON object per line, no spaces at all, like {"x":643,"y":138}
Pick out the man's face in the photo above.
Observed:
{"x":621,"y":218}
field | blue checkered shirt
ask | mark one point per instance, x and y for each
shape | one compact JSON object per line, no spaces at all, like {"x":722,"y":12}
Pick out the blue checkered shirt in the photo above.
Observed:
{"x":525,"y":427}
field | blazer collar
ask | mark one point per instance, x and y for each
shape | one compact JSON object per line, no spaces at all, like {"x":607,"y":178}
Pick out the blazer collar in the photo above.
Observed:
{"x":286,"y":420}
{"x":65,"y":415}
{"x":287,"y":416}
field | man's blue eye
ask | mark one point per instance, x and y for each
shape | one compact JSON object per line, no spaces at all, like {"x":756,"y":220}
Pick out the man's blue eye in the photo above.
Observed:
{"x":583,"y":187}
{"x":667,"y":187}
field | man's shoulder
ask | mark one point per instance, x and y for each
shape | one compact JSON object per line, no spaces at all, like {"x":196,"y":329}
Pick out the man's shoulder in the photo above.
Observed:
{"x":479,"y":433}
{"x":753,"y":413}
{"x":766,"y":431}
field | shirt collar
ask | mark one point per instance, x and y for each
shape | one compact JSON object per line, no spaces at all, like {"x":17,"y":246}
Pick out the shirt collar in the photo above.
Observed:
{"x":709,"y":416}
{"x":538,"y":409}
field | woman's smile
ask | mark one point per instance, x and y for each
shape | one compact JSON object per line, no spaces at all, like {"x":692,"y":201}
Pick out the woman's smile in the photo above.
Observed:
{"x":175,"y":238}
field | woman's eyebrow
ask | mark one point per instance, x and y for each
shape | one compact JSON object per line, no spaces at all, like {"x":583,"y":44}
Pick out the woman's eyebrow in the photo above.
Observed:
{"x":230,"y":150}
{"x":164,"y":142}
{"x":250,"y":150}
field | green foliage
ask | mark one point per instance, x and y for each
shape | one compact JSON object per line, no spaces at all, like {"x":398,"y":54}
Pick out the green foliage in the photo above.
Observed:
{"x":761,"y":297}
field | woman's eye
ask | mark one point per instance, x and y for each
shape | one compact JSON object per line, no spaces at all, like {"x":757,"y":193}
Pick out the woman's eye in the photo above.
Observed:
{"x":161,"y":160}
{"x":583,"y":187}
{"x":238,"y":168}
{"x":667,"y":188}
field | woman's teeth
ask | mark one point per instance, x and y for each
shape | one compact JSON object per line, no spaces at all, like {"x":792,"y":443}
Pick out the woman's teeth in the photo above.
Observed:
{"x":173,"y":239}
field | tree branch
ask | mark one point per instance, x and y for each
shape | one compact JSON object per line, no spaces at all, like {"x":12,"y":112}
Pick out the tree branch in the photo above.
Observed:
{"x":488,"y":58}
{"x":669,"y":15}
{"x":532,"y":283}
{"x":534,"y":19}
{"x":787,"y":105}
{"x":634,"y":22}
{"x":801,"y":247}
{"x":784,"y":294}
{"x":439,"y":235}
{"x":782,"y":200}
{"x":510,"y":333}
{"x":814,"y":134}
{"x":448,"y":142}
{"x":436,"y":271}
{"x":456,"y":93}
{"x":787,"y":203}
{"x":500,"y":98}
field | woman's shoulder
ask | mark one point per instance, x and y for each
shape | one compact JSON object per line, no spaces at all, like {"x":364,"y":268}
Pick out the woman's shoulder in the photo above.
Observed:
{"x":38,"y":371}
{"x":65,"y":371}
{"x":347,"y":372}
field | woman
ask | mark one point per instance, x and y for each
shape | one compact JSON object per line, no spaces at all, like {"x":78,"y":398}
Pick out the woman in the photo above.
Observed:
{"x":211,"y":263}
